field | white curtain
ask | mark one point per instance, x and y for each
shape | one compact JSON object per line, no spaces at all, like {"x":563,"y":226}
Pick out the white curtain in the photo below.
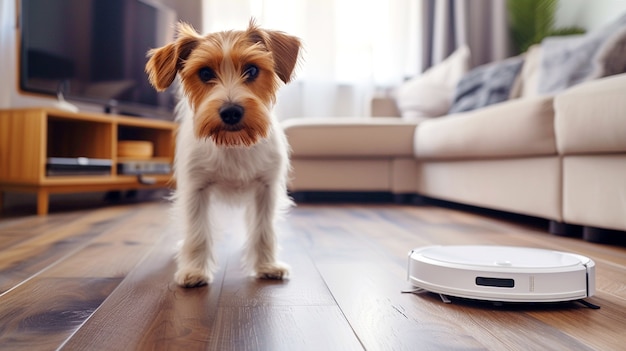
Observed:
{"x":351,"y":48}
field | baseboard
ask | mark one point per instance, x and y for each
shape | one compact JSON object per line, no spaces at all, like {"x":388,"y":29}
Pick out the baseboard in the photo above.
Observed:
{"x":342,"y":197}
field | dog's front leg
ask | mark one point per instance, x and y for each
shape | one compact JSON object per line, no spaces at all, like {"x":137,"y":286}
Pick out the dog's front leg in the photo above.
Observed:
{"x":196,"y":263}
{"x":262,"y":245}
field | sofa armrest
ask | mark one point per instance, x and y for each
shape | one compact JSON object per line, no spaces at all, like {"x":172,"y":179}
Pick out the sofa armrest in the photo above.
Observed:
{"x":384,"y":106}
{"x":589,"y":118}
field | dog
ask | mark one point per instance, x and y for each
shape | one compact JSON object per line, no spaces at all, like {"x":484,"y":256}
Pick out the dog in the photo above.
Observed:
{"x":229,"y":147}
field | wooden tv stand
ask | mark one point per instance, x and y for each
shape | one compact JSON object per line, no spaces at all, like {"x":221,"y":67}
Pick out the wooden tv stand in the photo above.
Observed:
{"x":29,"y":136}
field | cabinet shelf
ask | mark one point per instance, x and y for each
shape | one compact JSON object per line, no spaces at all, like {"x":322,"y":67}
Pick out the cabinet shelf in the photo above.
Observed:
{"x":30,"y":136}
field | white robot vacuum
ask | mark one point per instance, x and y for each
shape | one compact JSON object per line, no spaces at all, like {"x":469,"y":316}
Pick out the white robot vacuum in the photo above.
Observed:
{"x":502,"y":273}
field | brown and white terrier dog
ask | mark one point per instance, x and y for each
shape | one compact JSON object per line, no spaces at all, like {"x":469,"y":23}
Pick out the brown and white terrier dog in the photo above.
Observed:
{"x":229,"y":146}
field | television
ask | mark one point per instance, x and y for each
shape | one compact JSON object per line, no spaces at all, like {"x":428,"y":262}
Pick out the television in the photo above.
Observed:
{"x":94,"y":51}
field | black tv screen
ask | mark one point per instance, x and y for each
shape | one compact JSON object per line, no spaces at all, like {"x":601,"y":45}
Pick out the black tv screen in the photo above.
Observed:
{"x":95,"y":51}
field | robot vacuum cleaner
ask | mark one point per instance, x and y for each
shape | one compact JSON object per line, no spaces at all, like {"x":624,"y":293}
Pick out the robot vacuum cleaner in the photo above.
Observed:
{"x":502,"y":273}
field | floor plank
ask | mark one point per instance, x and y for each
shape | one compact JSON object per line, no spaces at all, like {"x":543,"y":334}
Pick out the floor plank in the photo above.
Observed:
{"x":51,"y":309}
{"x":15,"y":231}
{"x":360,"y":277}
{"x":20,"y":262}
{"x":102,"y":279}
{"x":283,"y":327}
{"x":142,"y":299}
{"x":219,"y":315}
{"x":87,"y":280}
{"x":360,"y":262}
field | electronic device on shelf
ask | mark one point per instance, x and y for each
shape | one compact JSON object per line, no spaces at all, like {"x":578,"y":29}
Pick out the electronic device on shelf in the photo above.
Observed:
{"x":502,"y":273}
{"x":71,"y":166}
{"x":143,"y":167}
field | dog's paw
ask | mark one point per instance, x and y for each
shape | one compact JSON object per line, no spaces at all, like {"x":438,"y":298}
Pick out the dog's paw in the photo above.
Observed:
{"x":276,"y":270}
{"x":192,"y":278}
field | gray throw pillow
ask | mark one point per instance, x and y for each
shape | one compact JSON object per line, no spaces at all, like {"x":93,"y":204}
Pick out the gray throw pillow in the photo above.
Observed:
{"x":569,"y":60}
{"x":486,"y":85}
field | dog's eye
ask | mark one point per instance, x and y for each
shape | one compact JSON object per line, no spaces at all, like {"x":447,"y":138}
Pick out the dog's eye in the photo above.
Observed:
{"x":250,"y":72}
{"x":206,"y":74}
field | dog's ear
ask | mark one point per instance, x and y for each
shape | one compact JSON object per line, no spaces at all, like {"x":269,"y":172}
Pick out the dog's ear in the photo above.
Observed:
{"x":284,"y":48}
{"x":166,"y":61}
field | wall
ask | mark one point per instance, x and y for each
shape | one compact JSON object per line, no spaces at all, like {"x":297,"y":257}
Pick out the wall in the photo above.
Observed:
{"x":589,"y":14}
{"x":189,"y":11}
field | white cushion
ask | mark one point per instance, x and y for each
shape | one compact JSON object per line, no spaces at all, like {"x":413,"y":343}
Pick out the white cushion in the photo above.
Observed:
{"x":529,"y":76}
{"x":430,"y":94}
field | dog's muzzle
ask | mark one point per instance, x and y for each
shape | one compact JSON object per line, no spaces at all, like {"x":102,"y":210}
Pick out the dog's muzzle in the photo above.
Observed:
{"x":231,"y":114}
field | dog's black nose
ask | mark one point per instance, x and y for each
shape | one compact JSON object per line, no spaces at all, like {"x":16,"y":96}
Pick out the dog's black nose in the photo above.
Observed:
{"x":231,"y":113}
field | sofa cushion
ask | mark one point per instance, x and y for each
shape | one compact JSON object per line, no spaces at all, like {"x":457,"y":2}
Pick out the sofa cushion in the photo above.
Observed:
{"x":528,"y":80}
{"x":350,"y":137}
{"x":419,"y":99}
{"x":430,"y":94}
{"x":516,"y":128}
{"x":591,"y":118}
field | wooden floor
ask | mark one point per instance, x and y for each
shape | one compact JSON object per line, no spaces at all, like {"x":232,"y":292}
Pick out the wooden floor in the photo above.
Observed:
{"x":101,"y":279}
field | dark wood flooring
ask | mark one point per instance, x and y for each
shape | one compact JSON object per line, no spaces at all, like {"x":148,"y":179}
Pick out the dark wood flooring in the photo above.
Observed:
{"x":101,"y":279}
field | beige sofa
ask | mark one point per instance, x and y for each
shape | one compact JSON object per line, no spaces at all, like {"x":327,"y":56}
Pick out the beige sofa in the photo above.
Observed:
{"x":562,"y":158}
